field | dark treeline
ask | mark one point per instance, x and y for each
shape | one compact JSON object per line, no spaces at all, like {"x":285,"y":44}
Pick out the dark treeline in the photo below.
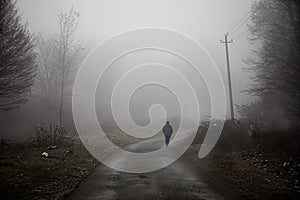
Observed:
{"x":275,"y":26}
{"x":17,"y":58}
{"x":273,"y":119}
{"x":37,"y":73}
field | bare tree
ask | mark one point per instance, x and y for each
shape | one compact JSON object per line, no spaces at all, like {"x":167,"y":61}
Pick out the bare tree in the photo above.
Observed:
{"x":276,"y":30}
{"x":46,"y":84}
{"x":68,"y":51}
{"x":17,"y":58}
{"x":58,"y":57}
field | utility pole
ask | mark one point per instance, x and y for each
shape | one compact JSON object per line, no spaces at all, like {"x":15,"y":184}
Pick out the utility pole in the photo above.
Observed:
{"x":229,"y":76}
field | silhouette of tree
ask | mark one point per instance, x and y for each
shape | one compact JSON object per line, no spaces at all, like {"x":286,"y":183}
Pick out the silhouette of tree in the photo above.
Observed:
{"x":276,"y":29}
{"x":17,"y":58}
{"x":57,"y":57}
{"x":67,"y":53}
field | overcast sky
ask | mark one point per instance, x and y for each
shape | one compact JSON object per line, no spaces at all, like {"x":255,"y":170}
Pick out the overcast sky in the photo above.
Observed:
{"x":204,"y":20}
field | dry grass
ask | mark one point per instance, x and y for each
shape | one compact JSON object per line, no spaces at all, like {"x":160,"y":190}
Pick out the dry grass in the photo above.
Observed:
{"x":29,"y":175}
{"x":240,"y":176}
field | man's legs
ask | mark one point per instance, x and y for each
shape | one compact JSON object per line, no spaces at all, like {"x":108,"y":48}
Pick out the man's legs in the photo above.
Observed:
{"x":167,"y":140}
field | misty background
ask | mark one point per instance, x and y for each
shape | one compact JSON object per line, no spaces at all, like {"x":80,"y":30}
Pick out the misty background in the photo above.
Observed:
{"x":205,"y":21}
{"x":92,"y":22}
{"x":43,"y":43}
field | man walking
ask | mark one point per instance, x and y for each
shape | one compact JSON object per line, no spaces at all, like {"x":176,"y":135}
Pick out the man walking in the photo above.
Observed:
{"x":167,"y":130}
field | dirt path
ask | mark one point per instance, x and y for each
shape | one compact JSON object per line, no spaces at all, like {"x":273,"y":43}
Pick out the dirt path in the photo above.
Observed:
{"x":179,"y":180}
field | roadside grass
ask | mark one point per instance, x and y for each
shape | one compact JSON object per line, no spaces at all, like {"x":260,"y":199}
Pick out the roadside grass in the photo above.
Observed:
{"x":26,"y":174}
{"x":29,"y":175}
{"x":240,"y":175}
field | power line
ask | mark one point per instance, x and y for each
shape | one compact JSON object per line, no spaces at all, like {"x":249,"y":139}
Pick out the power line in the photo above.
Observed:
{"x":243,"y":33}
{"x":241,"y":21}
{"x":236,"y":29}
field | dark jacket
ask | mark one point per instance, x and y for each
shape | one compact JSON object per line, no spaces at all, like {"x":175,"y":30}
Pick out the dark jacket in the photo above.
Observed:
{"x":168,"y":130}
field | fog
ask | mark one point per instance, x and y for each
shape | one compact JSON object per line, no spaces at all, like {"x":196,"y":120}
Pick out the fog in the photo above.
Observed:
{"x":156,"y":99}
{"x":206,"y":21}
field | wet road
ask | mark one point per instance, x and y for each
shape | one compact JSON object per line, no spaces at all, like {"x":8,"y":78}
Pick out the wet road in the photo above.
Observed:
{"x":179,"y":180}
